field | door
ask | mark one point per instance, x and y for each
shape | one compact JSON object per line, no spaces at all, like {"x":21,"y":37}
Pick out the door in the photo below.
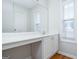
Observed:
{"x":20,"y":22}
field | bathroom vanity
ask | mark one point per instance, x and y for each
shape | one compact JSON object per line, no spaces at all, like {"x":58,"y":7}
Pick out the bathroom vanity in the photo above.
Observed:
{"x":38,"y":45}
{"x":22,"y":23}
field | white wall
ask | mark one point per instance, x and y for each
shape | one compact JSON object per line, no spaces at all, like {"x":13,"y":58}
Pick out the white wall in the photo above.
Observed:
{"x":7,"y":16}
{"x":55,"y":26}
{"x":54,"y":16}
{"x":68,"y":46}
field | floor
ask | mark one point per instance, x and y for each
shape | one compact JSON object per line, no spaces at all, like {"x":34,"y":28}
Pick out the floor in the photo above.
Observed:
{"x":59,"y":56}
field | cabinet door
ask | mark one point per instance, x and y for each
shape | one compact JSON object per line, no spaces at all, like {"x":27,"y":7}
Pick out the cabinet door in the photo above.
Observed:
{"x":36,"y":49}
{"x":50,"y":46}
{"x":54,"y":44}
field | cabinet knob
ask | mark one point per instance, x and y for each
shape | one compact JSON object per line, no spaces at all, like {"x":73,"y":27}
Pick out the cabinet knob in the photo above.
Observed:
{"x":14,"y":29}
{"x":37,"y":0}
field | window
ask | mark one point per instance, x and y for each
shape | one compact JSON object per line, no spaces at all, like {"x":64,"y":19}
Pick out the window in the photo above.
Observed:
{"x":68,"y":27}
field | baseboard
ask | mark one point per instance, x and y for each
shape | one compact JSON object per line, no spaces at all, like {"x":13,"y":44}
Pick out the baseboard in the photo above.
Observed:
{"x":52,"y":53}
{"x":66,"y":54}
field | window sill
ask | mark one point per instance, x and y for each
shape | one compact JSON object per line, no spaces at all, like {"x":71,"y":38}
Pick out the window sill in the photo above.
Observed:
{"x":70,"y":41}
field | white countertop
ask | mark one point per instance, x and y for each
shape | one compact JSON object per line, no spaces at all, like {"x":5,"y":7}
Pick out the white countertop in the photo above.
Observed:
{"x":16,"y":37}
{"x":11,"y":40}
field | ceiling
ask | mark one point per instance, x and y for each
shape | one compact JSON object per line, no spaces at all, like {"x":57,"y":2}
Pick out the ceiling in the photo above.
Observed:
{"x":25,"y":3}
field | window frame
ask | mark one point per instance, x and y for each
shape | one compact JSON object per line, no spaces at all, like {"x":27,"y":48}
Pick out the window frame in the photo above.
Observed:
{"x":63,"y":36}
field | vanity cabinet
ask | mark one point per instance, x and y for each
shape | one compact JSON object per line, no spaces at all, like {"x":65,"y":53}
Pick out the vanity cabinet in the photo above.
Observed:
{"x":46,"y":48}
{"x":36,"y":50}
{"x":49,"y":46}
{"x":42,"y":47}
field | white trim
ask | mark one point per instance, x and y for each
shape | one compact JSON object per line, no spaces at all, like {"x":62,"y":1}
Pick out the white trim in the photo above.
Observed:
{"x":70,"y":41}
{"x":68,"y":55}
{"x":51,"y":54}
{"x":16,"y":44}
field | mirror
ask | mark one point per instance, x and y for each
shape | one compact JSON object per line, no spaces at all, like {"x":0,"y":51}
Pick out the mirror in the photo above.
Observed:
{"x":24,"y":16}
